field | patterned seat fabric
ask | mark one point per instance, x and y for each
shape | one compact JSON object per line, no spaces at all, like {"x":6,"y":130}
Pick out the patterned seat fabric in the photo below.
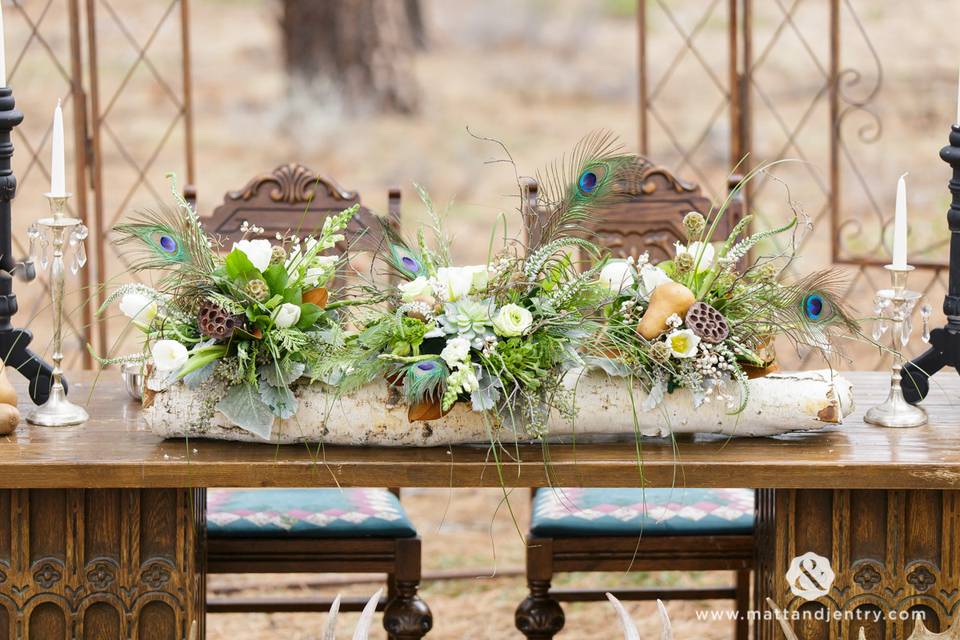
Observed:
{"x":652,"y":512}
{"x":306,"y":513}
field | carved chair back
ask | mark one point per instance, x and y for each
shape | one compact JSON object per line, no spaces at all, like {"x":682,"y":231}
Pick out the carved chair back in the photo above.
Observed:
{"x":651,"y":218}
{"x":294,"y":199}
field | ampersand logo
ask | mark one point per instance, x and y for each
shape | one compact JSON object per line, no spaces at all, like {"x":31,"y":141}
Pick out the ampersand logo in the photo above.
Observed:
{"x":810,"y":576}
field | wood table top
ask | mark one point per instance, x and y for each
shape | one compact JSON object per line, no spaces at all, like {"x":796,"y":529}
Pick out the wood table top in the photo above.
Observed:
{"x":115,"y":449}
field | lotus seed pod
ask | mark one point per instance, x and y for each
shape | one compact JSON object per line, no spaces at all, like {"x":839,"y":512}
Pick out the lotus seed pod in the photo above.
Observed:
{"x":258,"y":290}
{"x":707,"y":323}
{"x":216,"y":323}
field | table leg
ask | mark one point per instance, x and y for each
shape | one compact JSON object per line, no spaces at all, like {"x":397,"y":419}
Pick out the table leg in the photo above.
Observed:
{"x":101,"y":563}
{"x":891,"y":551}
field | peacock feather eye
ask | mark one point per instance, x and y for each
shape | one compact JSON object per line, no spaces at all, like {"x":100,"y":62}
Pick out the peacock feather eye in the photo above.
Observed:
{"x":814,"y":306}
{"x":168,"y":244}
{"x":410,"y":264}
{"x":426,"y":366}
{"x":588,"y":181}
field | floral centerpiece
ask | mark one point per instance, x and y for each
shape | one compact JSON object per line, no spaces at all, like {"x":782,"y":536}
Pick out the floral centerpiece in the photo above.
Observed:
{"x":244,"y":326}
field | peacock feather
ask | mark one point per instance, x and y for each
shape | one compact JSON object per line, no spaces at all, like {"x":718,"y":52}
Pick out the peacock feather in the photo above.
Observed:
{"x":164,"y":238}
{"x":573,"y":189}
{"x":811,"y":310}
{"x":424,"y":380}
{"x":400,"y":256}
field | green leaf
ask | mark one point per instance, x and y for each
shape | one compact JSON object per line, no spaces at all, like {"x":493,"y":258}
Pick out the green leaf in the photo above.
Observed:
{"x":281,"y":400}
{"x":273,"y":302}
{"x":293,"y":295}
{"x":283,"y":373}
{"x":243,"y":407}
{"x":238,"y":266}
{"x":201,"y":358}
{"x":309,"y":314}
{"x":276,"y":278}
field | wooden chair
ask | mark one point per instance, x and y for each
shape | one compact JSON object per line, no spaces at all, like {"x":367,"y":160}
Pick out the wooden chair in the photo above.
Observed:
{"x":620,"y":530}
{"x":312,"y":530}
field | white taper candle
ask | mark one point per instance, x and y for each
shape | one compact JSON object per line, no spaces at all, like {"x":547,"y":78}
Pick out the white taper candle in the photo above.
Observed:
{"x":900,"y":225}
{"x":58,"y":178}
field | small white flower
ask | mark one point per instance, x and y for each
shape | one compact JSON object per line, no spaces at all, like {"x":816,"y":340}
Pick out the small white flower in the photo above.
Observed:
{"x":512,"y":320}
{"x":651,"y":277}
{"x":617,"y":276}
{"x":138,"y":307}
{"x":456,"y":351}
{"x":481,"y":277}
{"x":257,"y":251}
{"x":694,"y":249}
{"x":674,"y":321}
{"x":287,"y":315}
{"x":168,"y":355}
{"x":416,"y":290}
{"x":683,"y":343}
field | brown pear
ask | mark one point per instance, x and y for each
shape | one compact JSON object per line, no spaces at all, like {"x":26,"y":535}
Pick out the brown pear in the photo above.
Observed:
{"x":8,"y":394}
{"x":667,"y":299}
{"x":9,"y":419}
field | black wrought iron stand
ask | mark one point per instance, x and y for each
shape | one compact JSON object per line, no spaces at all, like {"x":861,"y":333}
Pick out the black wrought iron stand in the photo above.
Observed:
{"x":945,"y":342}
{"x":13,"y":341}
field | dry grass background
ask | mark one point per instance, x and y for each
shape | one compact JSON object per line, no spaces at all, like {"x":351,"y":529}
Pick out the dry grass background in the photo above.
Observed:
{"x":536,"y":75}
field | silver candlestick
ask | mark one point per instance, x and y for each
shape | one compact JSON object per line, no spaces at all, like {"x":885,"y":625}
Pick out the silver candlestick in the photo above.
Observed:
{"x":57,"y":231}
{"x":894,"y":310}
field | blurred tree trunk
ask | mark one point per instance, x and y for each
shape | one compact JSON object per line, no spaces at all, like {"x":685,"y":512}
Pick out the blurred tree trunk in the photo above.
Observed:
{"x":361,"y":48}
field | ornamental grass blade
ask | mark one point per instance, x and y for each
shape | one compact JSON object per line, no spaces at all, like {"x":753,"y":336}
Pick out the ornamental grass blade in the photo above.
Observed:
{"x":781,"y":618}
{"x":330,"y":632}
{"x":366,"y":618}
{"x":667,"y":632}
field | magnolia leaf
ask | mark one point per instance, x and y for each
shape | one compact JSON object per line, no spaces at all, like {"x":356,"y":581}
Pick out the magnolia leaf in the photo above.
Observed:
{"x":281,"y":400}
{"x":276,"y":278}
{"x":655,"y":395}
{"x":243,"y":407}
{"x":610,"y":367}
{"x":282,"y":373}
{"x":309,"y":313}
{"x":238,"y":265}
{"x":195,"y":378}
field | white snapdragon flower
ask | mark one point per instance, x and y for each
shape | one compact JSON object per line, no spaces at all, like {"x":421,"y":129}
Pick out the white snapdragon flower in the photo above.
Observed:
{"x":694,"y":249}
{"x":456,"y":352}
{"x":683,"y":343}
{"x":512,"y":320}
{"x":258,"y":252}
{"x":138,"y":307}
{"x":617,"y":276}
{"x":287,"y":315}
{"x":168,"y":355}
{"x":651,"y":277}
{"x":416,"y":290}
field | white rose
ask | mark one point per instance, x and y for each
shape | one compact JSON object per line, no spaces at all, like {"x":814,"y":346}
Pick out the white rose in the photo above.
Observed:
{"x":257,"y":251}
{"x":683,"y":343}
{"x":457,"y":280}
{"x":168,"y":355}
{"x":138,"y":307}
{"x":512,"y":320}
{"x":419,"y":289}
{"x":694,"y":249}
{"x":650,"y":278}
{"x":456,"y":351}
{"x":617,"y":276}
{"x":287,"y":315}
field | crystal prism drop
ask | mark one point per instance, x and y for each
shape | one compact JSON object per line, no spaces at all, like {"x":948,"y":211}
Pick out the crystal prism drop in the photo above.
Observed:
{"x":33,"y":233}
{"x":925,"y":311}
{"x":43,"y":254}
{"x":879,"y":328}
{"x":906,"y":330}
{"x":75,"y":263}
{"x":81,"y":255}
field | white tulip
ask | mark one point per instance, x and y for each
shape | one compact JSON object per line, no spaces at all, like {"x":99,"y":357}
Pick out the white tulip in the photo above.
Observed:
{"x":481,"y":277}
{"x":694,"y":249}
{"x":257,"y":251}
{"x":168,"y":355}
{"x":287,"y":315}
{"x":650,"y":278}
{"x":617,"y":276}
{"x":458,"y":281}
{"x":138,"y":307}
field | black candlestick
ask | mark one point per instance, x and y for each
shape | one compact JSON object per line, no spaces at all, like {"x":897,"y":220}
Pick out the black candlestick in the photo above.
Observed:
{"x":14,"y":342}
{"x":945,"y":342}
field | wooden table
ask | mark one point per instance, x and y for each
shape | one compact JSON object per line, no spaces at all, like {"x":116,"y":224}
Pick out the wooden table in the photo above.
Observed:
{"x":101,"y":525}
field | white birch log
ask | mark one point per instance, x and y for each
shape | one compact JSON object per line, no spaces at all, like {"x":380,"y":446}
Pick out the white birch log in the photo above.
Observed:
{"x":370,"y":417}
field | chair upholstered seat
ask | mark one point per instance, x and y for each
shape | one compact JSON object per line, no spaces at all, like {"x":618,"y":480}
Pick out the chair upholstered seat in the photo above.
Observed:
{"x":306,"y":513}
{"x":650,"y":512}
